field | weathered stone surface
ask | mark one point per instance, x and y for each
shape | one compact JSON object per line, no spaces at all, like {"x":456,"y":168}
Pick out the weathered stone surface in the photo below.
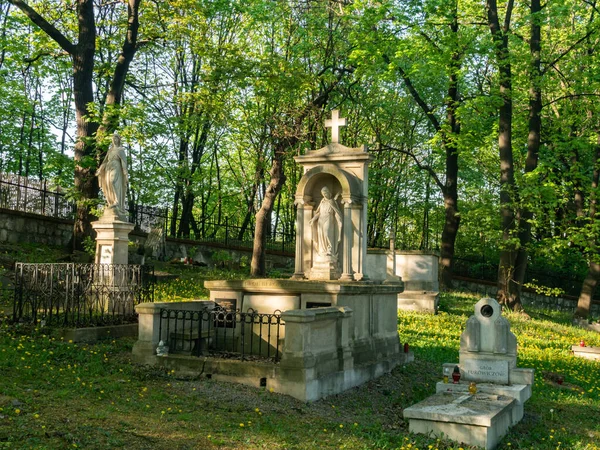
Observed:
{"x":480,"y":419}
{"x":488,"y":349}
{"x":586,"y":352}
{"x":112,"y":240}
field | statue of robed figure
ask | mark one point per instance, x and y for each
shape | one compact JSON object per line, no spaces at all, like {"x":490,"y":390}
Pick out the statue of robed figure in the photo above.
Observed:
{"x":329,"y":225}
{"x":113,"y":178}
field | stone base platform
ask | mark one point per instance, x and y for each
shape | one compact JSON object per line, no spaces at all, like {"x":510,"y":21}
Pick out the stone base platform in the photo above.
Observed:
{"x":422,"y":301}
{"x":480,"y":419}
{"x":586,"y":352}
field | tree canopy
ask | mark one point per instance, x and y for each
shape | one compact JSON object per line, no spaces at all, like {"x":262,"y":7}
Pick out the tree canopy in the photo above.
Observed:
{"x":481,"y":116}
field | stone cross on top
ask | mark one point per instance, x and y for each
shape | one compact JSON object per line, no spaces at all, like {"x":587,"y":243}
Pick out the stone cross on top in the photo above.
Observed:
{"x":335,"y":123}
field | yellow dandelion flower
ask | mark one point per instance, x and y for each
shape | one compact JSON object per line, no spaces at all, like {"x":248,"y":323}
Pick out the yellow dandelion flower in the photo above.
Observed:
{"x":241,"y":425}
{"x":341,"y":425}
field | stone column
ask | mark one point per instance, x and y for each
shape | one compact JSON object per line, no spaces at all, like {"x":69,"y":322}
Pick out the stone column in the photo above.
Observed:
{"x":363,"y":239}
{"x":299,"y":257}
{"x":347,"y":272}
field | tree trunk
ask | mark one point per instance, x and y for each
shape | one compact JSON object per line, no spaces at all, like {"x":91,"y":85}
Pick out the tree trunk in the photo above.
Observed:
{"x":258,"y":264}
{"x":450,"y":190}
{"x":507,"y":175}
{"x":592,"y":279}
{"x":533,"y":145}
{"x":584,"y":304}
{"x":86,"y":183}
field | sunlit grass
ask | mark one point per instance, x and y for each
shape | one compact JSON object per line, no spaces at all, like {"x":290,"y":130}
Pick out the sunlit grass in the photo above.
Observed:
{"x":568,"y":413}
{"x":188,"y":281}
{"x":56,"y":394}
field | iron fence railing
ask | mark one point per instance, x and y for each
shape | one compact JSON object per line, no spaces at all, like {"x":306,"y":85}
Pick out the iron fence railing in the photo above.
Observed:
{"x":23,"y":194}
{"x":75,"y":295}
{"x":146,"y":218}
{"x":219,"y":332}
{"x":485,"y":269}
{"x":231,"y":234}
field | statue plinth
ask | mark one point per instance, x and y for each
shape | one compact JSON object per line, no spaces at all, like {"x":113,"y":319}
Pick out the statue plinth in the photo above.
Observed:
{"x":112,"y":238}
{"x":325,"y":268}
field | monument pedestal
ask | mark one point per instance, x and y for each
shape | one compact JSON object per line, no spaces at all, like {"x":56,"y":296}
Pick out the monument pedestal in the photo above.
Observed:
{"x":325,"y":269}
{"x":112,"y":240}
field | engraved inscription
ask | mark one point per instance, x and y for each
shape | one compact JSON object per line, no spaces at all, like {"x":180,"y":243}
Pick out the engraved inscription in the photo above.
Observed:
{"x":486,"y":370}
{"x":106,"y":254}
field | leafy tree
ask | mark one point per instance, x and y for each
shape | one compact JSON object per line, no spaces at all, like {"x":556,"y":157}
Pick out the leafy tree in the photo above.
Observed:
{"x":77,"y":37}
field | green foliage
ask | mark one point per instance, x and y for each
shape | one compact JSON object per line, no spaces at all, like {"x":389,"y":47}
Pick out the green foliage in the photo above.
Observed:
{"x":188,"y":281}
{"x":89,"y":246}
{"x":544,"y":290}
{"x":220,"y":257}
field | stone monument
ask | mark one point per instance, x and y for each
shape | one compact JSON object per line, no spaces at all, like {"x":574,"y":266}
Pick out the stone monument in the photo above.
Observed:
{"x":112,"y":230}
{"x":490,"y":392}
{"x":329,"y":284}
{"x":331,"y":215}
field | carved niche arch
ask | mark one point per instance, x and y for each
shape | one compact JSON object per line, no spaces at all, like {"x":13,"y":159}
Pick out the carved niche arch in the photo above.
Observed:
{"x":308,"y":193}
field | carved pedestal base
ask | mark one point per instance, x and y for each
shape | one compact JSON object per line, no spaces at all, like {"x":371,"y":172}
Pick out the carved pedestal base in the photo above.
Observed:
{"x":112,"y":239}
{"x":325,"y":268}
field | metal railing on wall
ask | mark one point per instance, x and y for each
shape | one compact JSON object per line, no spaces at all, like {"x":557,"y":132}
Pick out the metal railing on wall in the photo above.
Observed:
{"x":220,"y":332}
{"x":23,"y":194}
{"x":75,"y":295}
{"x":26,"y":195}
{"x":231,"y":234}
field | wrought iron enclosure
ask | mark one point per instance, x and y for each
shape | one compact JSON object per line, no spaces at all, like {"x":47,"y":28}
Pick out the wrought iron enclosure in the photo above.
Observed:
{"x":74,"y":295}
{"x":219,"y":332}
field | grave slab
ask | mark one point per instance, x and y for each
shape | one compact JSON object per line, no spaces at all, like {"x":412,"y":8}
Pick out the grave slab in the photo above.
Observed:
{"x":586,"y":352}
{"x":479,"y":419}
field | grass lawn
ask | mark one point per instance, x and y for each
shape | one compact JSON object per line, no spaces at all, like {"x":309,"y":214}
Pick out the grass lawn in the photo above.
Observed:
{"x":58,"y":395}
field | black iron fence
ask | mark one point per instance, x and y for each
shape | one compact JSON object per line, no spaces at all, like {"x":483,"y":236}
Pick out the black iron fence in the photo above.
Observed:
{"x":484,"y":269}
{"x":220,"y":332}
{"x":27,"y":195}
{"x":146,"y":218}
{"x":75,"y":295}
{"x":23,"y":194}
{"x":231,"y":234}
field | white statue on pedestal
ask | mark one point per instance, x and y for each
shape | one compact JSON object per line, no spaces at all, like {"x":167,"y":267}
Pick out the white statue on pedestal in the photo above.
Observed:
{"x":329,"y":225}
{"x":113,"y":177}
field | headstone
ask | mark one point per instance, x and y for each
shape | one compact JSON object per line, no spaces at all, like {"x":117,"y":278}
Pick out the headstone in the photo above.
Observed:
{"x":488,"y":349}
{"x":156,"y":242}
{"x":490,"y":395}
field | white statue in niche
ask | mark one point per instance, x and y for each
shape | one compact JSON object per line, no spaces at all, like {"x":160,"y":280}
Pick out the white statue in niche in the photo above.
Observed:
{"x":113,"y":177}
{"x":329,"y":225}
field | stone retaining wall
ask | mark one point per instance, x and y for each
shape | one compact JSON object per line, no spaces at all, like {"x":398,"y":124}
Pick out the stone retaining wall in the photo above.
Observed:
{"x":17,"y":227}
{"x":21,"y":227}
